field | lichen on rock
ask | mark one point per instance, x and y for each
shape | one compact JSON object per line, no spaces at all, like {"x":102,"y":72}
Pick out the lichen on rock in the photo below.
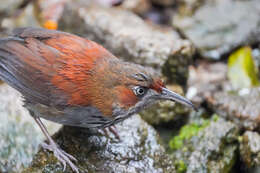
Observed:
{"x":250,"y":149}
{"x":138,"y":149}
{"x":211,"y":145}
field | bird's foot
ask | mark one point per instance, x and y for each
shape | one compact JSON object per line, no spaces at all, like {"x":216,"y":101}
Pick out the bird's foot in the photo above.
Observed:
{"x":113,"y":130}
{"x":62,"y":156}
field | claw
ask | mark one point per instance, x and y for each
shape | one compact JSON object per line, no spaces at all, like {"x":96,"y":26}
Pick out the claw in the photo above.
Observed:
{"x":70,"y":156}
{"x":112,"y":129}
{"x":62,"y":156}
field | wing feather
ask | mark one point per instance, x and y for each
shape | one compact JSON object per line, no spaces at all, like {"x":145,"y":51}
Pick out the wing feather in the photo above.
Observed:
{"x":46,"y":66}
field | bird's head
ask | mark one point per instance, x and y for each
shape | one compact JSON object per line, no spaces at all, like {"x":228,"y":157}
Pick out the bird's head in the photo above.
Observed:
{"x":135,"y":87}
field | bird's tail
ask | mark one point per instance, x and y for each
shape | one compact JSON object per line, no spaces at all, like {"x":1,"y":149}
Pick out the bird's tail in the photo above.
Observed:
{"x":14,"y":72}
{"x":7,"y":65}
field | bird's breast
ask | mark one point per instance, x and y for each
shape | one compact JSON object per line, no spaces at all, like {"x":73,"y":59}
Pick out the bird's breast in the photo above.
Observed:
{"x":87,"y":117}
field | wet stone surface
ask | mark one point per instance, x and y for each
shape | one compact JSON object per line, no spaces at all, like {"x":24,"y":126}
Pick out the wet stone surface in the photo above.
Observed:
{"x":212,"y":148}
{"x":164,"y":112}
{"x":19,"y":134}
{"x":250,"y":149}
{"x":205,"y":79}
{"x":242,"y":107}
{"x":139,"y":150}
{"x":209,"y":83}
{"x":217,"y":27}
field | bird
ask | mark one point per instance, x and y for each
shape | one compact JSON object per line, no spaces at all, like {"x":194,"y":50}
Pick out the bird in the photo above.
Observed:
{"x":74,"y":81}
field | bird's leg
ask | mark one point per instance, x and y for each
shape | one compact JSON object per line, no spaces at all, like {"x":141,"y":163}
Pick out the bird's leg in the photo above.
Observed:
{"x":105,"y":131}
{"x":61,"y":155}
{"x":113,"y":130}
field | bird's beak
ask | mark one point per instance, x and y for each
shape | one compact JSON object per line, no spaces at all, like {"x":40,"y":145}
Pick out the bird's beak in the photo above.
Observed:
{"x":167,"y":94}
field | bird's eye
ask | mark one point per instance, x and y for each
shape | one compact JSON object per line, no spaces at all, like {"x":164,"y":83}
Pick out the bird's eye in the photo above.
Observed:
{"x":139,"y":91}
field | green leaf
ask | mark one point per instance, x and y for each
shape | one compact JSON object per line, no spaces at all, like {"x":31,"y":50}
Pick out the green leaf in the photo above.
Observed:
{"x":242,"y":71}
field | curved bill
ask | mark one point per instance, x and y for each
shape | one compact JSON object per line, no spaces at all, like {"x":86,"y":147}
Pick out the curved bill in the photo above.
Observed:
{"x":170,"y":95}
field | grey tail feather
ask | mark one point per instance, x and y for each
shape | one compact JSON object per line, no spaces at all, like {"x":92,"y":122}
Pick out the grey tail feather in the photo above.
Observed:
{"x":6,"y":39}
{"x":13,"y":82}
{"x":7,"y":71}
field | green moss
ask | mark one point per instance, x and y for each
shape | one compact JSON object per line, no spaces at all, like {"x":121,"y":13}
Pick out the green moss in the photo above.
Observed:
{"x":186,"y":133}
{"x":242,"y":71}
{"x":181,"y":166}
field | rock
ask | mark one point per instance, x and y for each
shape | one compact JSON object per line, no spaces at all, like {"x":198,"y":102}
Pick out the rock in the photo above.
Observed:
{"x":137,"y":6}
{"x":250,"y":149}
{"x":217,"y":27}
{"x":4,"y":32}
{"x":158,"y":15}
{"x":23,"y":18}
{"x":164,"y":2}
{"x":208,"y":82}
{"x":205,"y":79}
{"x":166,"y":111}
{"x":242,"y":106}
{"x":139,"y":150}
{"x":188,"y":7}
{"x":133,"y":40}
{"x":9,"y":6}
{"x":256,"y":57}
{"x":213,"y":147}
{"x":19,"y":134}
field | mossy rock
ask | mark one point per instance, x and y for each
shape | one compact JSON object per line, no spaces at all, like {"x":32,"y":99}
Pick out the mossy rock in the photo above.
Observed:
{"x":205,"y":145}
{"x":138,"y":150}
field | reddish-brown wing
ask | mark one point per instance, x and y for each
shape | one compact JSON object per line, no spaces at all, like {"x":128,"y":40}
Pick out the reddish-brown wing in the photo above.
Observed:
{"x":47,"y":66}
